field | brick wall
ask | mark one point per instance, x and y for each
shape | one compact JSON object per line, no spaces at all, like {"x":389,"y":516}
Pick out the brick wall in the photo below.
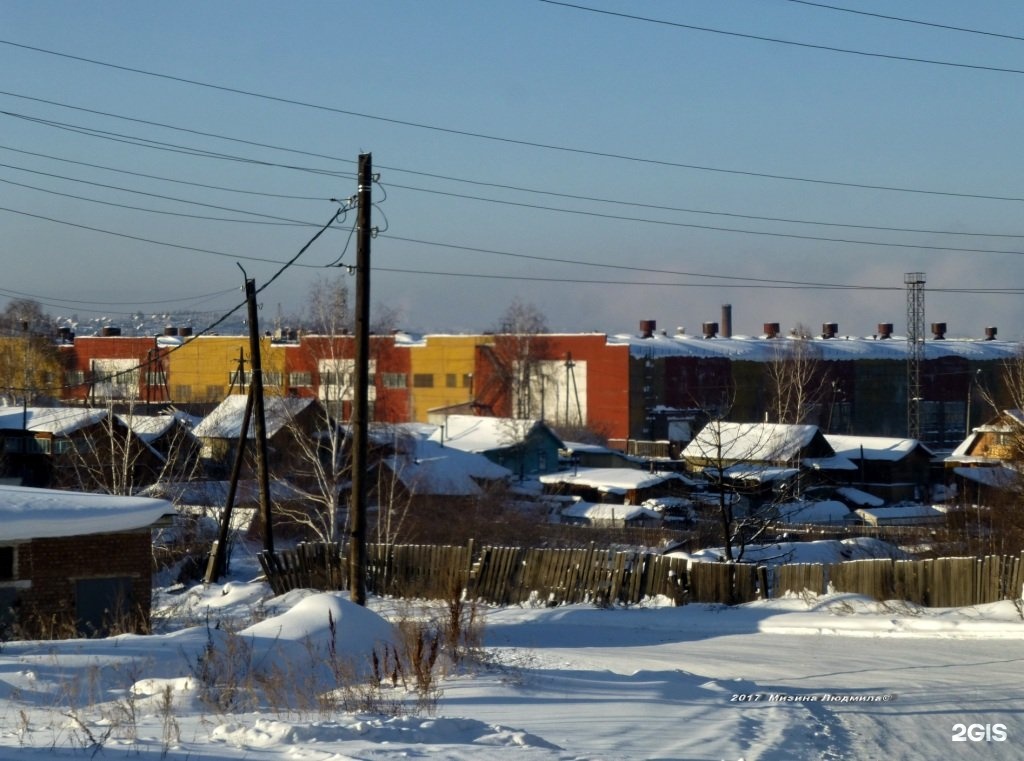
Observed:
{"x":54,"y":566}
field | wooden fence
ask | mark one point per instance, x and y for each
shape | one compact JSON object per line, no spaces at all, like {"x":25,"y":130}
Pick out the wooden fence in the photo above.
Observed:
{"x":514,"y":575}
{"x":937,"y":583}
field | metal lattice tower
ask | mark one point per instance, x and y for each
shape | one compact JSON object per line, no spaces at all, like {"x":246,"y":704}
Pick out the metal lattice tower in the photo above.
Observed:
{"x":915,"y":350}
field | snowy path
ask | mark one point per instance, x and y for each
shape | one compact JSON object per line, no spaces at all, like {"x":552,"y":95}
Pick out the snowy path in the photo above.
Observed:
{"x":930,"y":682}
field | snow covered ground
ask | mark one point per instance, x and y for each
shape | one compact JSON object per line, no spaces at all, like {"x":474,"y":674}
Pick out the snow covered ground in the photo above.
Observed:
{"x":834,"y":677}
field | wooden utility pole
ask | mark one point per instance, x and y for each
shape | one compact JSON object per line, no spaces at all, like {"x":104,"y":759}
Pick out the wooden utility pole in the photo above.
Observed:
{"x":260,"y":419}
{"x":360,"y":407}
{"x":218,"y":562}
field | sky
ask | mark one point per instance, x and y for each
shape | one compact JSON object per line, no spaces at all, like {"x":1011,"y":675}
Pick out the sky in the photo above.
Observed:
{"x":799,"y":678}
{"x":606,"y":162}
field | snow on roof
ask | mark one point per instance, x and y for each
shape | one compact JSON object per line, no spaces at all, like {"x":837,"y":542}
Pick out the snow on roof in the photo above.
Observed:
{"x":28,"y":513}
{"x":225,"y":422}
{"x":829,"y":463}
{"x":755,"y":442}
{"x":150,"y":427}
{"x":439,"y":470}
{"x":825,"y":511}
{"x":759,"y":473}
{"x":859,"y":497}
{"x":599,"y":511}
{"x":821,"y":551}
{"x":902,"y":513}
{"x":999,"y":476}
{"x":756,"y":349}
{"x":611,"y":480}
{"x":215,"y":493}
{"x":881,"y":448}
{"x":60,"y":421}
{"x":472,"y":433}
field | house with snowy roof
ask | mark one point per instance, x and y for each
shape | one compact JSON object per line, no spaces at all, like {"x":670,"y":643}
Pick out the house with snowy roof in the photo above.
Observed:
{"x":619,"y":486}
{"x":74,"y":447}
{"x":528,"y":448}
{"x":985,"y":466}
{"x":287,"y":419}
{"x":422,"y":472}
{"x":605,"y":515}
{"x":76,"y":563}
{"x":761,"y":459}
{"x":893,"y":469}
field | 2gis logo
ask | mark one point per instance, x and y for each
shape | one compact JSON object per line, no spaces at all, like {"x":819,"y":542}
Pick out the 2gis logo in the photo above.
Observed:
{"x":979,"y":733}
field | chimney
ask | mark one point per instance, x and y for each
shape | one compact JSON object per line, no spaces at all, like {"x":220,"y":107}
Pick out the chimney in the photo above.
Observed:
{"x":771,"y":330}
{"x":938,"y":330}
{"x":990,"y":333}
{"x":647,"y":328}
{"x":710,"y":329}
{"x":726,"y":320}
{"x":884,"y":330}
{"x":829,"y":329}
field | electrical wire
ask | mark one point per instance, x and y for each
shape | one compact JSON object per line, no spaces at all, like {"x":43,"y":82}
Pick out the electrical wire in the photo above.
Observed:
{"x":780,"y":41}
{"x":156,"y":211}
{"x":528,"y":143}
{"x":224,"y":317}
{"x":677,"y":273}
{"x":903,"y":20}
{"x":273,"y":219}
{"x":160,"y":177}
{"x":661,"y":284}
{"x":168,"y":147}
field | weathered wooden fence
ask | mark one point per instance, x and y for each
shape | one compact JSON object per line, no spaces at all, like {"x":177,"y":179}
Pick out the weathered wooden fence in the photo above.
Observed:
{"x":513,"y":575}
{"x":936,"y":583}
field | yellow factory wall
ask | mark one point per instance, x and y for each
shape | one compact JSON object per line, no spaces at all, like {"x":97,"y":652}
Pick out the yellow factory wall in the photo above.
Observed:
{"x":201,"y":369}
{"x":442,"y":372}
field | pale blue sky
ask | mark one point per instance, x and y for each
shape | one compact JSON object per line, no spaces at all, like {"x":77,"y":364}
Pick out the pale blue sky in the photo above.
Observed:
{"x":610,"y":89}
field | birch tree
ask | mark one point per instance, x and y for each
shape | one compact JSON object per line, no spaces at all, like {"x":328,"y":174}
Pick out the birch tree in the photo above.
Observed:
{"x":795,"y":379}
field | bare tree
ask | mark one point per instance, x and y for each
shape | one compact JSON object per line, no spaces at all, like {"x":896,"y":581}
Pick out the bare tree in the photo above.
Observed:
{"x":112,"y":455}
{"x":517,"y":373}
{"x":795,"y":379}
{"x":751,"y":468}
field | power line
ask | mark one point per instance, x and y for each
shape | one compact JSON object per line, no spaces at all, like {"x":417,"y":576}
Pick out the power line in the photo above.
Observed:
{"x":209,"y":328}
{"x":547,"y":208}
{"x":328,"y":157}
{"x":716,"y":228}
{"x":455,"y":247}
{"x":159,"y":145}
{"x":161,"y":178}
{"x":677,"y":273}
{"x":780,"y":41}
{"x":904,"y":20}
{"x":501,"y":186}
{"x":662,"y":284}
{"x":142,"y":239}
{"x":274,"y":219}
{"x":521,"y":142}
